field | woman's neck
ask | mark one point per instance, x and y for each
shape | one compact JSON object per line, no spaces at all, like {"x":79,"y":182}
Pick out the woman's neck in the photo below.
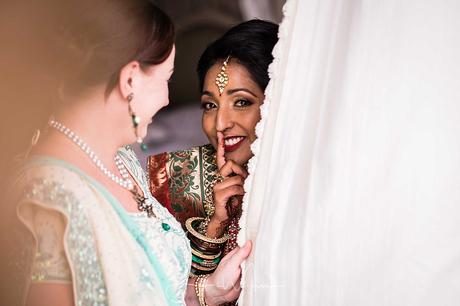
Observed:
{"x":93,"y":120}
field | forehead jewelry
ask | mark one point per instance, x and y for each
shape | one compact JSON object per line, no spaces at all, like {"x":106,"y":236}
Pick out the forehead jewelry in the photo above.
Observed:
{"x":222,"y":77}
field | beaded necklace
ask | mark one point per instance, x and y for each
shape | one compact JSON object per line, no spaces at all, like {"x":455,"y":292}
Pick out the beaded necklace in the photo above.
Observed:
{"x":144,"y":204}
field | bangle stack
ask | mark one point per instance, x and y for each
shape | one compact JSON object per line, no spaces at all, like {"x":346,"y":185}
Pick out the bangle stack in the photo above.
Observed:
{"x":200,"y":283}
{"x":206,"y":251}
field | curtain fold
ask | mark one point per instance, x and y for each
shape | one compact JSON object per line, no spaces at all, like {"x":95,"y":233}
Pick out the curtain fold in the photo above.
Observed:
{"x":354,"y":191}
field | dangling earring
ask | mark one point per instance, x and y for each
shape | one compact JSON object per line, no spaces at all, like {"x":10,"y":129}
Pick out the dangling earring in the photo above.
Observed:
{"x":135,"y":120}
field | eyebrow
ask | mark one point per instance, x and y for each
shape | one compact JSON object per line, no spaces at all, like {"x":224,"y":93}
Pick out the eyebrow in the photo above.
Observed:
{"x":207,"y":93}
{"x":230,"y":92}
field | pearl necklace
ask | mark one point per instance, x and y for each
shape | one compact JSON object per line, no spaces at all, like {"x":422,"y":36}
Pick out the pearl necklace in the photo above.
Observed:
{"x":124,"y":181}
{"x":144,"y":204}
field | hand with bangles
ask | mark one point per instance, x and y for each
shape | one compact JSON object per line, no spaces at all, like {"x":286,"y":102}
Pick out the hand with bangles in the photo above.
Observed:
{"x":223,"y":285}
{"x":227,"y":193}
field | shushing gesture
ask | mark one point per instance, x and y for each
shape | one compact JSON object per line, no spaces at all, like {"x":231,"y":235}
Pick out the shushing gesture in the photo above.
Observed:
{"x":228,"y":193}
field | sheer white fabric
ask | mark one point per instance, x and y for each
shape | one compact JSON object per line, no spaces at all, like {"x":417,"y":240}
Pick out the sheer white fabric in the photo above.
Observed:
{"x":354,"y":193}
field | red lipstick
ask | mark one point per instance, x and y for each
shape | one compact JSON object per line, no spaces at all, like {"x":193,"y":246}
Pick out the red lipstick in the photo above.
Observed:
{"x":233,"y":143}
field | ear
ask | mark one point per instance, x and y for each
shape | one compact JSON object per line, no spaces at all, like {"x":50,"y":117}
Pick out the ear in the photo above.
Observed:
{"x":128,"y":78}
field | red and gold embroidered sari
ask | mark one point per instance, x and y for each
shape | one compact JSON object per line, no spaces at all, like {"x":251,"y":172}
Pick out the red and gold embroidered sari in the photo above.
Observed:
{"x":182,"y":180}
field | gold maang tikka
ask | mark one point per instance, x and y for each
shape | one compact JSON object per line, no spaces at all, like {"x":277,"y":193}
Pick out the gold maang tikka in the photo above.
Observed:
{"x":222,"y":77}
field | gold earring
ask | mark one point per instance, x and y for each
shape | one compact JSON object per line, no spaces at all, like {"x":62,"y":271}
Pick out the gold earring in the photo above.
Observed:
{"x":136,"y":120}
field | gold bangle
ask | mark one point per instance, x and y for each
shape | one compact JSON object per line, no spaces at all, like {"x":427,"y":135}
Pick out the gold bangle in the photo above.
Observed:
{"x":202,"y":228}
{"x":203,"y":246}
{"x":208,"y":264}
{"x":204,"y":256}
{"x":205,"y":263}
{"x":200,"y":284}
{"x":192,"y":231}
{"x":197,"y":290}
{"x":202,"y":268}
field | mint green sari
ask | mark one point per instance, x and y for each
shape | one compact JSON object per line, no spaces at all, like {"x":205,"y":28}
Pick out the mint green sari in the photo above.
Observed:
{"x":114,"y":257}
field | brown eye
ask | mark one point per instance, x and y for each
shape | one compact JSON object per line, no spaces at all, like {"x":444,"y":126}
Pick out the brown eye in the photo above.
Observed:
{"x":243,"y":103}
{"x":208,"y":106}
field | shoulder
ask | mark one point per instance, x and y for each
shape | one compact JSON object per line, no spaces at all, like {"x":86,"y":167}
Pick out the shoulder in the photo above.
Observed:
{"x":51,"y":183}
{"x":47,"y":171}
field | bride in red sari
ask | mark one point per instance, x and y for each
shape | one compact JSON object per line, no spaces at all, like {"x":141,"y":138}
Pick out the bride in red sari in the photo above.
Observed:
{"x":203,"y":186}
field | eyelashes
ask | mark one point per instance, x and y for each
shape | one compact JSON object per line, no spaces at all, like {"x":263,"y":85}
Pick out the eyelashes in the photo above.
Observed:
{"x":243,"y":103}
{"x":207,"y":106}
{"x":239,"y":103}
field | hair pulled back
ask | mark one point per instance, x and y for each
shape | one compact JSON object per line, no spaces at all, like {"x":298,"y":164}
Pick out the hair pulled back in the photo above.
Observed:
{"x":94,"y":39}
{"x":250,"y":43}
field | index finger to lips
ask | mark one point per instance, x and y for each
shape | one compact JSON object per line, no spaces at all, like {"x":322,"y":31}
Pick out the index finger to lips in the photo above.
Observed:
{"x":220,"y":157}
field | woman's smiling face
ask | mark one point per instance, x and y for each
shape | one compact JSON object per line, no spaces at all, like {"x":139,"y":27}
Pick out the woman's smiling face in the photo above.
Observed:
{"x":235,"y":112}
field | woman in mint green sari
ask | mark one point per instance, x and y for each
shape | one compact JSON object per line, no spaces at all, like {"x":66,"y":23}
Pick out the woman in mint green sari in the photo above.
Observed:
{"x":98,"y":237}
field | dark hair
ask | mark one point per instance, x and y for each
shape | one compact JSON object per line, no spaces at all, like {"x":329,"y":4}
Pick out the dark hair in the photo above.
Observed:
{"x":250,"y":43}
{"x":96,"y":38}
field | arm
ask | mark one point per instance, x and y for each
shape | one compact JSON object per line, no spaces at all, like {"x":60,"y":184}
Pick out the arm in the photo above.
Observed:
{"x":50,"y":294}
{"x":51,"y":283}
{"x":190,"y":296}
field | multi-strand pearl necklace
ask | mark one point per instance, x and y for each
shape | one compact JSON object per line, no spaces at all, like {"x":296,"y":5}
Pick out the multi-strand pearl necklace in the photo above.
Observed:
{"x":124,"y":181}
{"x":144,"y":204}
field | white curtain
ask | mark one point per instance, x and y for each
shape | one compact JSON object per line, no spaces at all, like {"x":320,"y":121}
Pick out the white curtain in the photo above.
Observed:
{"x":354,"y":192}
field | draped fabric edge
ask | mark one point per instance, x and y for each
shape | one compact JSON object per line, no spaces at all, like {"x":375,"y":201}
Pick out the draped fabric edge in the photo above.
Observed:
{"x":273,"y":93}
